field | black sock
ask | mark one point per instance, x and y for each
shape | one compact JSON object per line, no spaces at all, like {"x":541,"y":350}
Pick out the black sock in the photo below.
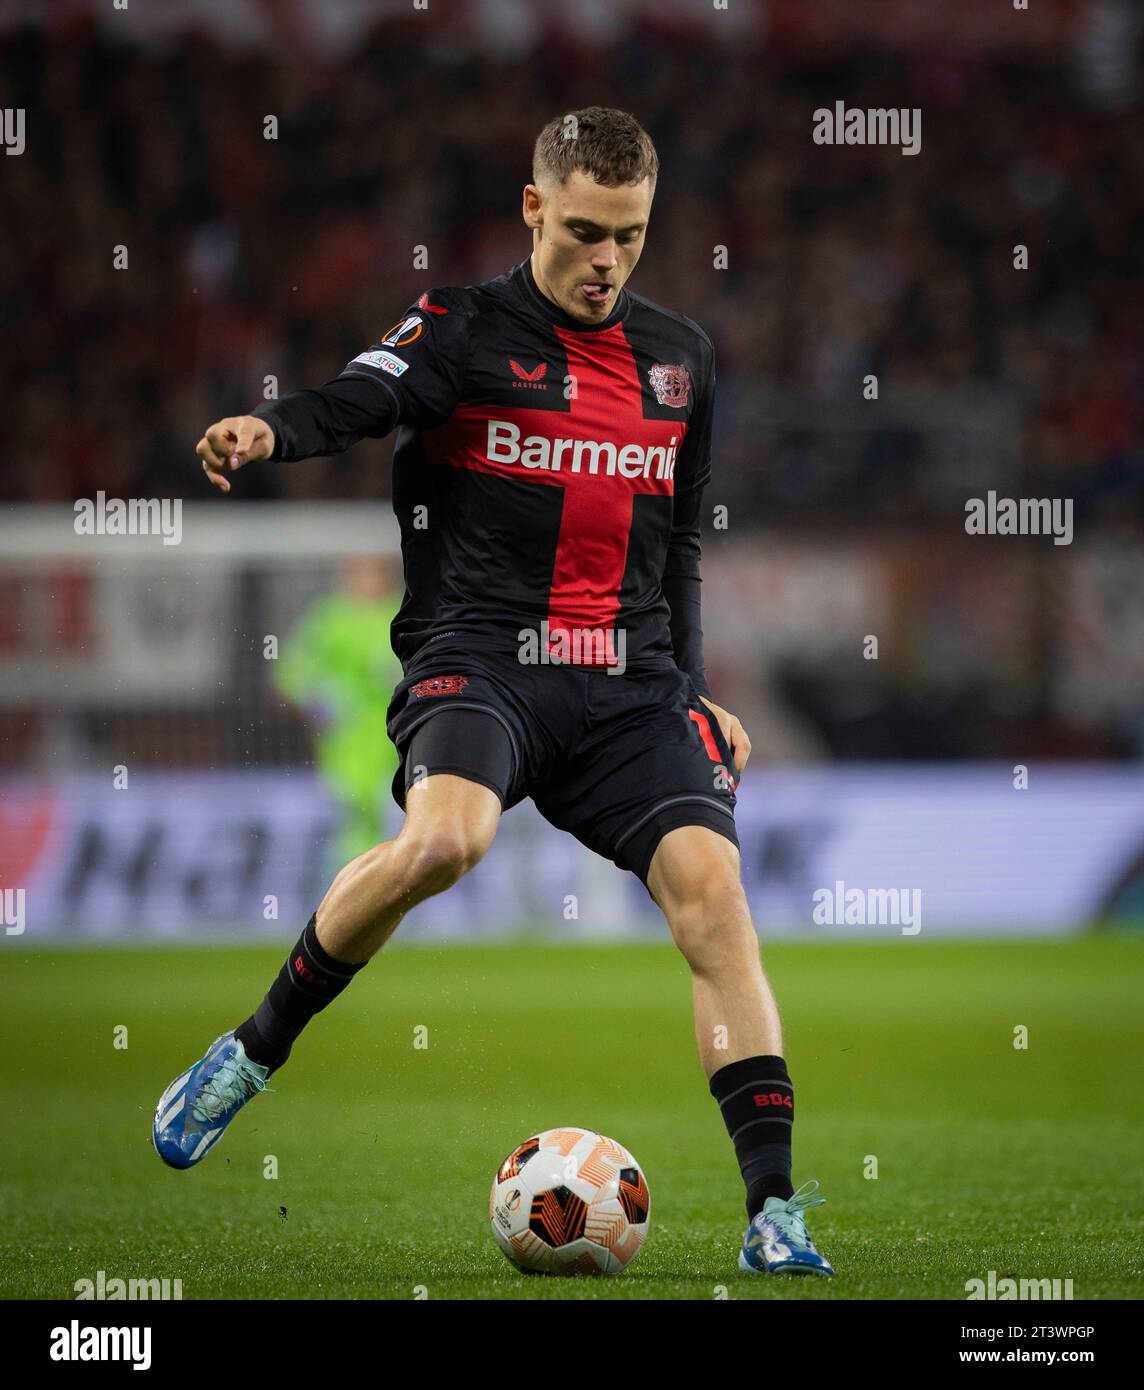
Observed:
{"x":756,"y":1099}
{"x":305,"y":985}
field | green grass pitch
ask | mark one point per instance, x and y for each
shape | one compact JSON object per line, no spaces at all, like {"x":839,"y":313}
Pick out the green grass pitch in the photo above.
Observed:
{"x":1026,"y":1162}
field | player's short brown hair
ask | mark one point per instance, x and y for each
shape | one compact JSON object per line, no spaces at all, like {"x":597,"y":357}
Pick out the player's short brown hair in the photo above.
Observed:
{"x":609,"y":145}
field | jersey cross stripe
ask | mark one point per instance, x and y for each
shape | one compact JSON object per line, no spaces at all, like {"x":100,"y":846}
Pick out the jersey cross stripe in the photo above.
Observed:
{"x":596,"y":519}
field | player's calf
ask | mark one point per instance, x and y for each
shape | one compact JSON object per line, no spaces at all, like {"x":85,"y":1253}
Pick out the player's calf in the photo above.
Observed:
{"x":694,"y":877}
{"x":449,"y":825}
{"x":448,"y":829}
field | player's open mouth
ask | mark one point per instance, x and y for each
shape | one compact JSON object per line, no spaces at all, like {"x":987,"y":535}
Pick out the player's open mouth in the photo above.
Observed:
{"x":596,"y":291}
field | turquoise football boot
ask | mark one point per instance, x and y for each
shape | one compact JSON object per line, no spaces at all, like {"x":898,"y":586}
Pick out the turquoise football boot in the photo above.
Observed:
{"x":777,"y":1241}
{"x":196,"y":1108}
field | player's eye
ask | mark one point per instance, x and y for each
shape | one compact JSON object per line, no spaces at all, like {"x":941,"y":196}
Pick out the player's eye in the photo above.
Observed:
{"x":582,"y":235}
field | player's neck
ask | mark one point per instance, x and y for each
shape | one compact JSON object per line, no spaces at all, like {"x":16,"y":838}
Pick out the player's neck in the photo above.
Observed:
{"x":569,"y":320}
{"x":540,"y":283}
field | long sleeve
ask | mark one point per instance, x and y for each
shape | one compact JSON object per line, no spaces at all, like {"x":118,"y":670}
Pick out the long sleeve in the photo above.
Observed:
{"x":412,"y":375}
{"x":681,"y":578}
{"x":329,"y":419}
{"x":681,"y":588}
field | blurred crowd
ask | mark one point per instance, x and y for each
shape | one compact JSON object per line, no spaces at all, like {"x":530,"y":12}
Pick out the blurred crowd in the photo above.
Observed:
{"x":160,"y":259}
{"x":249,"y":257}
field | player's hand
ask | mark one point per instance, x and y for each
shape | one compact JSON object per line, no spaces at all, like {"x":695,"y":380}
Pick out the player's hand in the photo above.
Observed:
{"x":230,"y":443}
{"x":734,"y":733}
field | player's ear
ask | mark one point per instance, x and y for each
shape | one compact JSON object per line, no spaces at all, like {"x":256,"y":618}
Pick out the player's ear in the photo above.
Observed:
{"x":531,"y":205}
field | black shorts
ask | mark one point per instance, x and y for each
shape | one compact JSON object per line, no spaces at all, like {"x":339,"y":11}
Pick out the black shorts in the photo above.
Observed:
{"x":616,"y":760}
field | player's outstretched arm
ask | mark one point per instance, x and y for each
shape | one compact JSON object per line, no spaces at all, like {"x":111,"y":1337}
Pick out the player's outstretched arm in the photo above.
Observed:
{"x":417,"y":383}
{"x":229,"y":443}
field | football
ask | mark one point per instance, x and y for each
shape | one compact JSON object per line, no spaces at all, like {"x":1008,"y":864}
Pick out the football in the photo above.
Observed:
{"x":570,"y":1201}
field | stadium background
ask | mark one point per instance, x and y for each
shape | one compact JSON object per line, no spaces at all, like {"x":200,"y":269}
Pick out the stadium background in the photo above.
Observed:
{"x":252,"y":258}
{"x":995,"y":1082}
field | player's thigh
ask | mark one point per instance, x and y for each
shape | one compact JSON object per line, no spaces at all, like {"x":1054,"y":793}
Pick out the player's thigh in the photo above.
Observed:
{"x":692,"y":862}
{"x":457,"y":771}
{"x":653,"y":762}
{"x":464,"y":723}
{"x":450,"y":822}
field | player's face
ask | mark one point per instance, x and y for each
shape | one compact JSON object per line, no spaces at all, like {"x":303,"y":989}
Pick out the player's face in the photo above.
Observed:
{"x":586,"y":241}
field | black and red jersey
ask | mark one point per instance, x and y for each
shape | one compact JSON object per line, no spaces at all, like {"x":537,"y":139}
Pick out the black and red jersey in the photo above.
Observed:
{"x":547,"y":473}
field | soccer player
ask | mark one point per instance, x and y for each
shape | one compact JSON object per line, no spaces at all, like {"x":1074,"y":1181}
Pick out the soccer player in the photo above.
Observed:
{"x":553,"y":444}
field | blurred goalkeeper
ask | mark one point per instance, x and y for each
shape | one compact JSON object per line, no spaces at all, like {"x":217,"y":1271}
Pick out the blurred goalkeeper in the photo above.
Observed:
{"x":338,"y":667}
{"x":553,"y":445}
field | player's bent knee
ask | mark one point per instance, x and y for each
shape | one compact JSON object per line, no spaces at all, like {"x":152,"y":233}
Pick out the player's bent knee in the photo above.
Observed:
{"x":437,"y":857}
{"x":711,"y":920}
